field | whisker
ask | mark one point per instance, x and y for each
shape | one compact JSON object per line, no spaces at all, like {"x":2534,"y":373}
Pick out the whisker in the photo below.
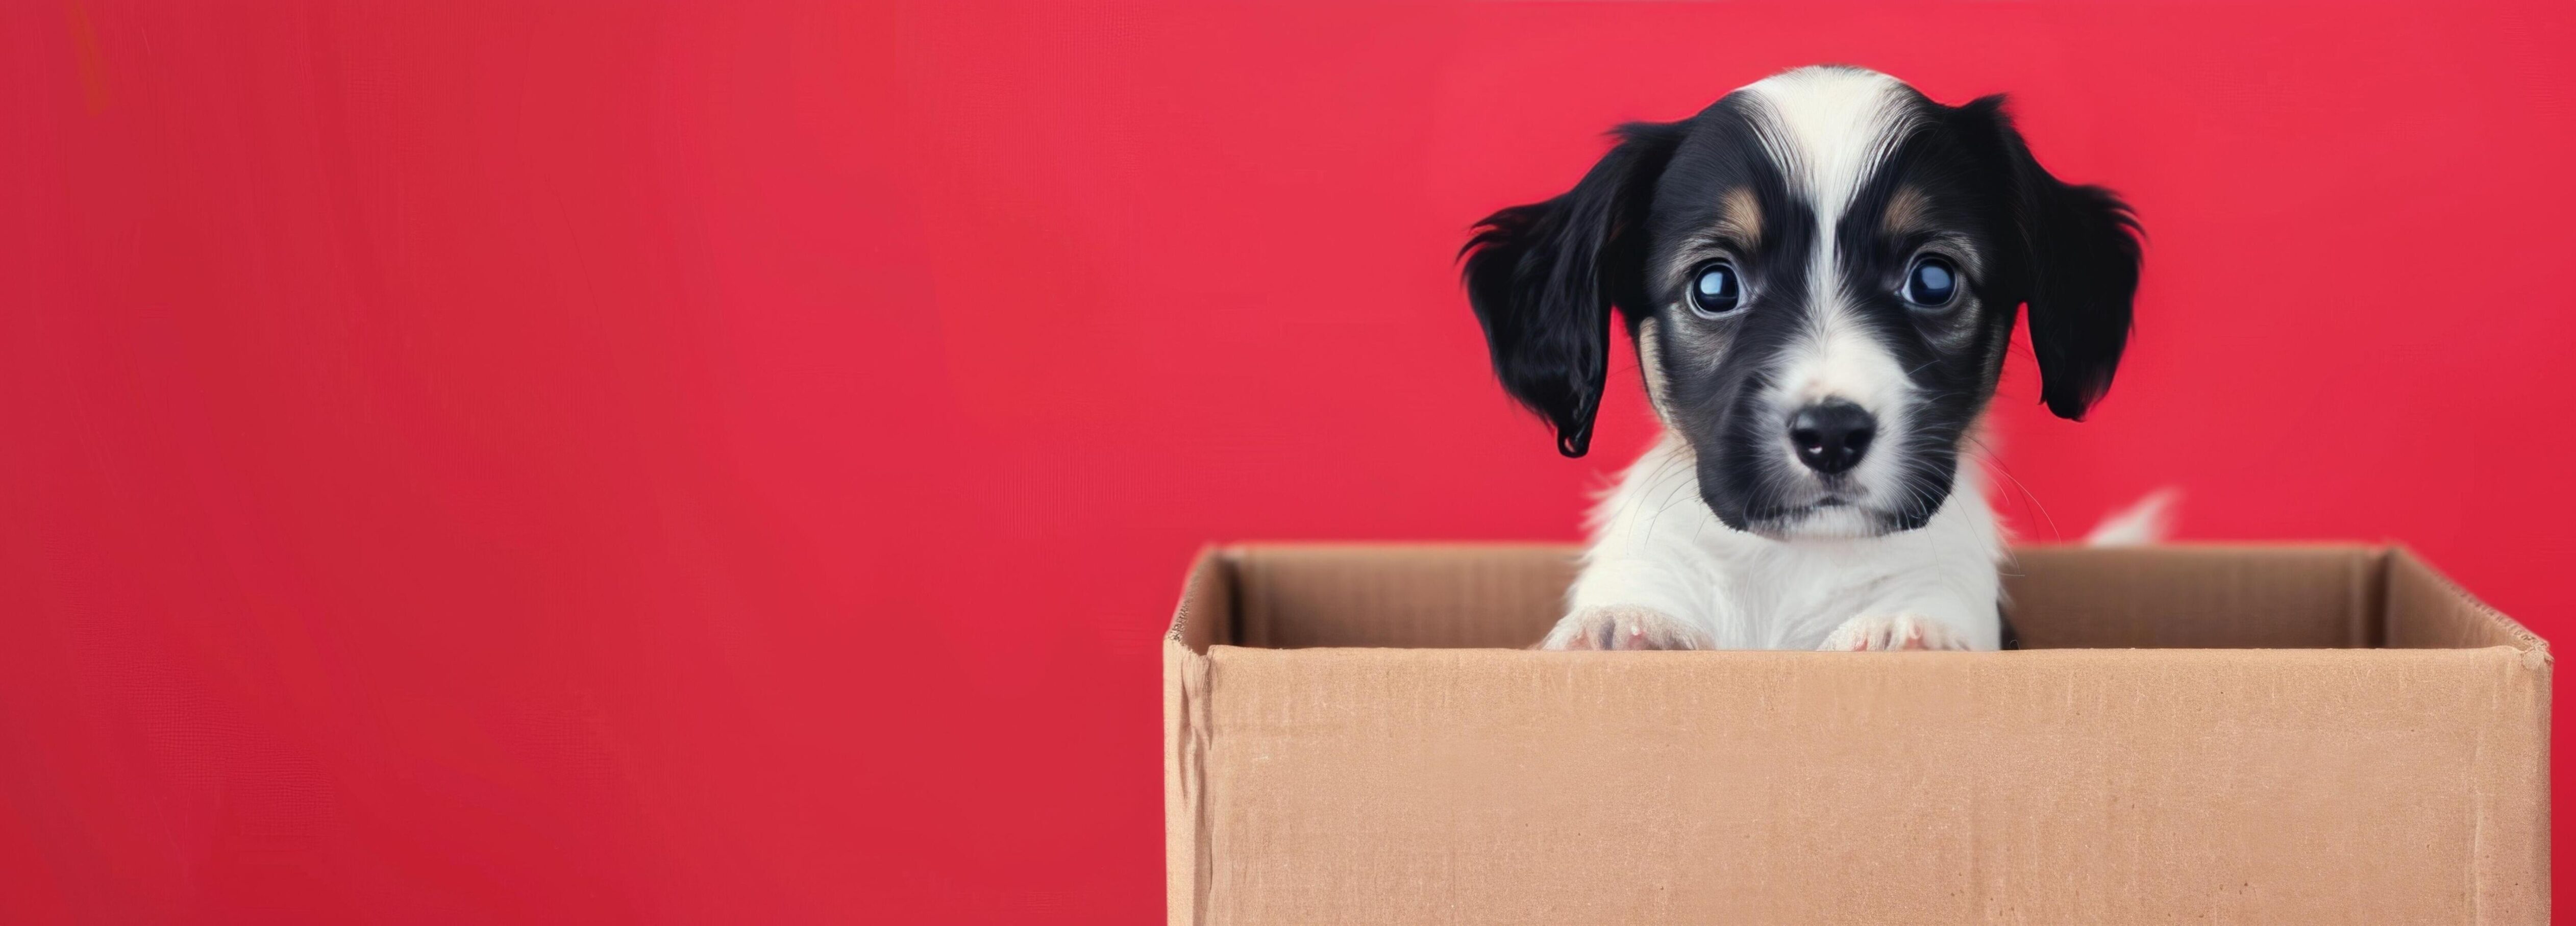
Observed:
{"x":1990,"y":456}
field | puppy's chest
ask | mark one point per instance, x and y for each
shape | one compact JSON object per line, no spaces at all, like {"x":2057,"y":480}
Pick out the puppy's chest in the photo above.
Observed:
{"x":1792,"y":606}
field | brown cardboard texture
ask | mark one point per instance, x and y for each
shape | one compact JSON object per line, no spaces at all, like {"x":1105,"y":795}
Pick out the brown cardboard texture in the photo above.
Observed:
{"x":2282,"y":734}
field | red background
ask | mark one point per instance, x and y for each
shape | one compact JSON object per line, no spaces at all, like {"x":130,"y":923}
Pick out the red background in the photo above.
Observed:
{"x":731,"y":462}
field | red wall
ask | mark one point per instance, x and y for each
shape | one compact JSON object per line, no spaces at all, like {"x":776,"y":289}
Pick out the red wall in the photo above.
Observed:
{"x":461,"y":461}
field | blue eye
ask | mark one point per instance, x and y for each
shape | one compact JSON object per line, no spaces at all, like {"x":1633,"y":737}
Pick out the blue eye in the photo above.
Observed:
{"x":1931,"y":284}
{"x":1715,"y":290}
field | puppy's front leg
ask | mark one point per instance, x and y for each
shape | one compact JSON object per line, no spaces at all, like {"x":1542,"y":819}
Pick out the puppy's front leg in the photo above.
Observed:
{"x":1900,"y":631}
{"x":1623,"y":627}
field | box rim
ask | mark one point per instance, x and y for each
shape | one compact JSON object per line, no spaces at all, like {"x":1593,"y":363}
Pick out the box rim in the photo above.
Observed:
{"x":1227,"y":554}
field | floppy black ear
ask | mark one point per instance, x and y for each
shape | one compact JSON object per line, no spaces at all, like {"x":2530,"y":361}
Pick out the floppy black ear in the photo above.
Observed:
{"x":2082,"y":249}
{"x":1543,"y":277}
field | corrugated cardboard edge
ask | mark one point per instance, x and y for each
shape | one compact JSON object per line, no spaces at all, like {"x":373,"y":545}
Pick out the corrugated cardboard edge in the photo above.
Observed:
{"x":1187,"y":867}
{"x":2511,"y":882}
{"x":2534,"y":649}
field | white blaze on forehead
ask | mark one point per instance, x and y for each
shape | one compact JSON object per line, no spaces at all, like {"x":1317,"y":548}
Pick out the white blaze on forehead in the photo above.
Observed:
{"x":1828,"y":129}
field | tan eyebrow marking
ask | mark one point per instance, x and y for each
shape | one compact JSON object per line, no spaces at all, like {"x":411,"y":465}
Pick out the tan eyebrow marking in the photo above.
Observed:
{"x":1907,"y":211}
{"x":1739,"y":216}
{"x":1737,"y":229}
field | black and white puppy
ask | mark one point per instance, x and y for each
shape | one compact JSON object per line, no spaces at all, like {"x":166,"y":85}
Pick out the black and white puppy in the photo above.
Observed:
{"x":1820,"y":274}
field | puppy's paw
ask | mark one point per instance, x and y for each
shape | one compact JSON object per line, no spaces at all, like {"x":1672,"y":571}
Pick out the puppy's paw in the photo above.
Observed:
{"x":1623,"y":627}
{"x":1893,"y":632}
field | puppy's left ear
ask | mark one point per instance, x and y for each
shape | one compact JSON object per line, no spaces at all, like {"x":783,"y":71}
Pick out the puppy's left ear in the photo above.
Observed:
{"x":2082,"y":251}
{"x":1544,"y":276}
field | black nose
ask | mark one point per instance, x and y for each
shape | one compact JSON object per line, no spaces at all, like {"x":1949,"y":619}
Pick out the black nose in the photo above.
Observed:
{"x":1831,"y":437}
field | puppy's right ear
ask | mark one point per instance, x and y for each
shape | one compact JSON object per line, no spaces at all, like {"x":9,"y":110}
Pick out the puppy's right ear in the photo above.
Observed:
{"x":1544,"y":276}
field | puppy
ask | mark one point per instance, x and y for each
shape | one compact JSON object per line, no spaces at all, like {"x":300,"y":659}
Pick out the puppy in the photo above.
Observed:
{"x":1820,"y":274}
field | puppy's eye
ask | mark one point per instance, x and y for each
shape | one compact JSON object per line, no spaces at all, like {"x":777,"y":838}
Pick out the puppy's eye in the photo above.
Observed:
{"x":1931,"y":284}
{"x":1715,"y":290}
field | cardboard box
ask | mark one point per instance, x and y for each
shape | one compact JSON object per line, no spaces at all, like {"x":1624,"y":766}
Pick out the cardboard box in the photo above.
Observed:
{"x":2275,"y":734}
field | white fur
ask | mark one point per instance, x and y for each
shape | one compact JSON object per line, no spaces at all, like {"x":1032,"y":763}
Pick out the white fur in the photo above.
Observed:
{"x":1657,"y":546}
{"x":1829,"y":127}
{"x":2147,"y":520}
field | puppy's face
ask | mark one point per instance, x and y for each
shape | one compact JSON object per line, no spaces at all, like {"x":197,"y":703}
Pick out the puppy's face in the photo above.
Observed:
{"x":1821,"y":272}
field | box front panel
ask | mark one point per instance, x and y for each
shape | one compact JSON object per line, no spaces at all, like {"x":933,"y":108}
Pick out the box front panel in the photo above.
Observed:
{"x":1485,"y":786}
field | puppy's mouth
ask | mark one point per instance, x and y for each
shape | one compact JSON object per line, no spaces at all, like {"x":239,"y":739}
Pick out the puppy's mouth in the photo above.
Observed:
{"x":1828,"y":516}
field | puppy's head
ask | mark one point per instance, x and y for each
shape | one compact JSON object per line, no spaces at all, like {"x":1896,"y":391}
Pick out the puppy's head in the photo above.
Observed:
{"x":1821,"y":273}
